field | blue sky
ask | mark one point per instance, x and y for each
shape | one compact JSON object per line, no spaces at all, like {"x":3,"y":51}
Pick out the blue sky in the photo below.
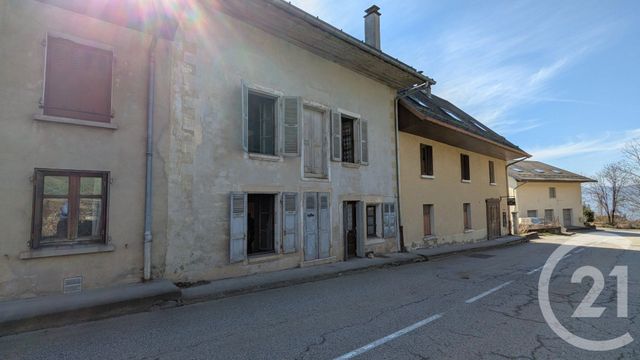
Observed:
{"x":559,"y":78}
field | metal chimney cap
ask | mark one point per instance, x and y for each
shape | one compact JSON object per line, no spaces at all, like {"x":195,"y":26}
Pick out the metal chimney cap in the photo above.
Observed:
{"x":372,"y":10}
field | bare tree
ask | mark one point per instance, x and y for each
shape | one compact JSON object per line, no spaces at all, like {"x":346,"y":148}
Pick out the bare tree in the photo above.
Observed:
{"x":610,"y":190}
{"x":631,"y":153}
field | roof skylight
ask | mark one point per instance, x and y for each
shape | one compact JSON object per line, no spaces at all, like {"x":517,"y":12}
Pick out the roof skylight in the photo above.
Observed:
{"x":539,"y":171}
{"x":517,"y":169}
{"x":451,"y":114}
{"x":557,"y":171}
{"x":418,"y":101}
{"x":479,"y":126}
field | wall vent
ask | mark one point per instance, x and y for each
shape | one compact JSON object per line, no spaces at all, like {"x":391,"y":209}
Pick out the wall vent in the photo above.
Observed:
{"x":72,"y":285}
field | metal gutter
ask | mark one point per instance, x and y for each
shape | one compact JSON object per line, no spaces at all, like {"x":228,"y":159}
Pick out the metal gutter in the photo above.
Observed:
{"x":148,"y":188}
{"x":396,"y":100}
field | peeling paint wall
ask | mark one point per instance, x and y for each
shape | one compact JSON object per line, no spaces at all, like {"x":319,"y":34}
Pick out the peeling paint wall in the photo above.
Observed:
{"x":26,"y":144}
{"x":446,"y":192}
{"x":207,"y":162}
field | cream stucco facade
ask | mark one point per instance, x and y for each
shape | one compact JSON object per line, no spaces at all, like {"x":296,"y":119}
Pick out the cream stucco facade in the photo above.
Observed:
{"x":27,"y":143}
{"x":534,"y":196}
{"x":447,"y":193}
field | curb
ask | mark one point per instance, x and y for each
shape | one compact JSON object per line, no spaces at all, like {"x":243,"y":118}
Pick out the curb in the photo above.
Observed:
{"x":58,"y":310}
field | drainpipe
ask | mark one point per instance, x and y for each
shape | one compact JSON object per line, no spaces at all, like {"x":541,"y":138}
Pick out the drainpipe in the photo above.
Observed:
{"x":506,"y":175}
{"x":148,"y":208}
{"x":400,"y":95}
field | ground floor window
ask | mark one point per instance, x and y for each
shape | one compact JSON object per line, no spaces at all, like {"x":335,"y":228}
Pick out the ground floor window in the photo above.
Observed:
{"x":260,"y":223}
{"x":371,"y":221}
{"x":532,"y":213}
{"x":548,"y":215}
{"x":466,"y":210}
{"x":70,"y":207}
{"x":427,"y":218}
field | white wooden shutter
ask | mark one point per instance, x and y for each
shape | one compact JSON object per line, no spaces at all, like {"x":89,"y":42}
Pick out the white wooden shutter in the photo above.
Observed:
{"x":245,"y":117}
{"x":388,"y":219}
{"x":291,"y":125}
{"x":364,"y":142}
{"x":237,"y":227}
{"x":336,"y":136}
{"x":324,"y":226}
{"x":289,"y":222}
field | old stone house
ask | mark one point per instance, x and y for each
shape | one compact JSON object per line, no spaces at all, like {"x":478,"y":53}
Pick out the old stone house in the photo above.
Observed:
{"x":453,"y":174}
{"x":222,"y":139}
{"x":548,"y":193}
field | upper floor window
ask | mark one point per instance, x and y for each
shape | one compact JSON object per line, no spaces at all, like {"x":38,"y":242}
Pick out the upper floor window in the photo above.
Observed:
{"x":426,"y":160}
{"x":492,"y":173}
{"x":70,"y":207}
{"x":349,"y":138}
{"x":262,"y":124}
{"x":315,"y":144}
{"x":77,"y":81}
{"x":552,"y":193}
{"x":465,"y":172}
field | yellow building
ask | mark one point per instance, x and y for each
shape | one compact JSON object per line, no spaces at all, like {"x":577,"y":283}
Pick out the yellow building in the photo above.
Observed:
{"x":453,"y":180}
{"x":548,"y":193}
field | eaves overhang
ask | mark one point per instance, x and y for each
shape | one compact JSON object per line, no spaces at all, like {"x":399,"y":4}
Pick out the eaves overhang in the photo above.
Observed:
{"x":417,"y":123}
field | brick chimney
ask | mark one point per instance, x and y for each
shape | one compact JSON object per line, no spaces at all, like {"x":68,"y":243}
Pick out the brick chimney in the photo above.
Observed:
{"x":372,"y":27}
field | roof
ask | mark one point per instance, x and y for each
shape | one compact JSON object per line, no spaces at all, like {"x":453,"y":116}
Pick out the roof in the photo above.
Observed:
{"x":309,"y":32}
{"x":434,"y":108}
{"x":539,"y":171}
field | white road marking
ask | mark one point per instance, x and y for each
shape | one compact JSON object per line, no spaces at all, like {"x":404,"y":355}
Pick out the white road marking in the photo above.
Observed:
{"x":388,"y":338}
{"x":566,"y":256}
{"x":578,"y":251}
{"x":535,"y":270}
{"x":476,"y":298}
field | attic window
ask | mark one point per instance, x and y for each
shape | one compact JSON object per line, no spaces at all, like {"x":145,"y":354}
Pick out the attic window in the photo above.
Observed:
{"x":479,"y":126}
{"x":539,"y":171}
{"x":517,"y":169}
{"x":418,"y":101}
{"x":451,"y":114}
{"x":557,"y":171}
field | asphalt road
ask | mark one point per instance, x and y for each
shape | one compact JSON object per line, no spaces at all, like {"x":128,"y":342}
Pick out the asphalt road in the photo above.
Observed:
{"x":482,"y":305}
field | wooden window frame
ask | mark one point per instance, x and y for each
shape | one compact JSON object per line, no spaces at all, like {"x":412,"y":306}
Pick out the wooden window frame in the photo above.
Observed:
{"x":108,"y":123}
{"x":465,"y":168}
{"x":466,"y":216}
{"x":73,"y":197}
{"x":426,"y":160}
{"x":492,"y":173}
{"x":277,"y":113}
{"x":552,"y":192}
{"x":353,"y":136}
{"x":375,"y":220}
{"x":430,"y":231}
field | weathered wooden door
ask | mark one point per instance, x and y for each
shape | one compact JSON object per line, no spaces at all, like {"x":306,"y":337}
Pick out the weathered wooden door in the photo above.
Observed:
{"x":317,"y":227}
{"x":567,"y":214}
{"x":350,"y":229}
{"x":493,"y":218}
{"x":310,"y":226}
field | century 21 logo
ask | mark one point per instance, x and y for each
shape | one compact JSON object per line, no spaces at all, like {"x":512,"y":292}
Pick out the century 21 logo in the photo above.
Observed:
{"x":586,"y":308}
